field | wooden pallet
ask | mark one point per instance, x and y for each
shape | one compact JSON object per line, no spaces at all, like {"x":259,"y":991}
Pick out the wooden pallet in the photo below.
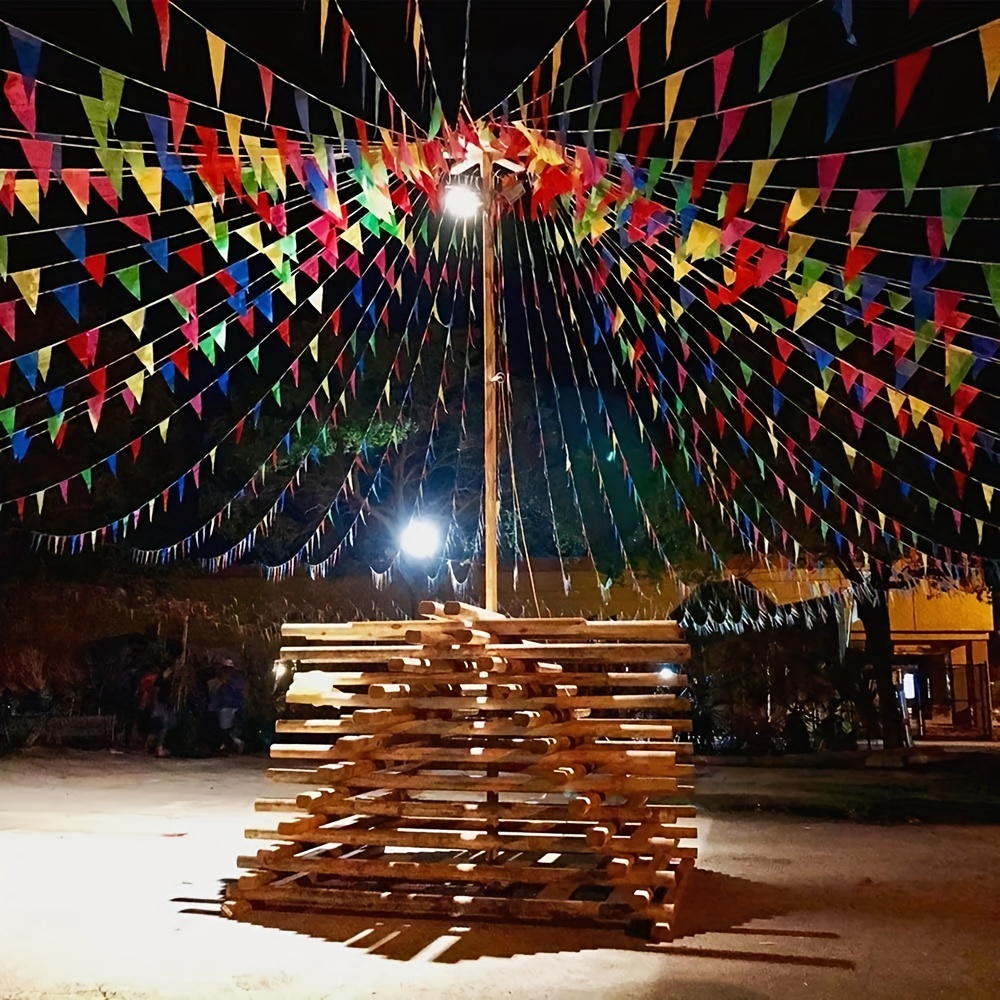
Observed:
{"x":477,"y":766}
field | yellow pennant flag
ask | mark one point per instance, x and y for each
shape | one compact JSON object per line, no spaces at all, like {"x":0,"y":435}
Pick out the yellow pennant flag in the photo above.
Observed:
{"x":324,"y":10}
{"x":274,"y":255}
{"x":151,"y":184}
{"x":671,"y":88}
{"x":40,"y":499}
{"x":673,"y":6}
{"x":989,"y":39}
{"x":134,"y":321}
{"x":896,"y":399}
{"x":676,"y":309}
{"x":556,"y":63}
{"x":162,"y":427}
{"x":623,"y":268}
{"x":851,"y":454}
{"x":252,"y":235}
{"x":27,"y":193}
{"x":700,"y":239}
{"x":821,"y":398}
{"x":811,"y":303}
{"x":352,"y":235}
{"x":204,"y":216}
{"x":798,"y":247}
{"x":919,"y":410}
{"x":44,"y":360}
{"x":135,"y":384}
{"x":937,"y":435}
{"x":28,"y":283}
{"x":316,"y":299}
{"x":233,"y":125}
{"x":252,"y":145}
{"x":276,"y":168}
{"x":802,"y":201}
{"x":682,"y":133}
{"x":988,"y":496}
{"x":759,"y":173}
{"x":217,"y":54}
{"x":314,"y":348}
{"x":288,"y":290}
{"x":145,"y":356}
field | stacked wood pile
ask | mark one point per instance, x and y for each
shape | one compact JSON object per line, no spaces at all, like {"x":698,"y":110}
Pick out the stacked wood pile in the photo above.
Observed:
{"x":473,"y":765}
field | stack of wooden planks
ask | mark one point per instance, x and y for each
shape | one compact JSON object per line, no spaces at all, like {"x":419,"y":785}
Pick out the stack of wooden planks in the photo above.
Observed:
{"x":471,"y":765}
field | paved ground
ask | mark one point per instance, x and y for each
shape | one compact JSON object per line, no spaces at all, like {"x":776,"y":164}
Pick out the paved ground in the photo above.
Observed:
{"x":110,"y":870}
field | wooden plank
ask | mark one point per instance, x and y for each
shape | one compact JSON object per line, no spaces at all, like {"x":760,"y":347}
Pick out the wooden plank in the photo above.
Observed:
{"x":408,"y":870}
{"x":482,"y":678}
{"x":586,"y":728}
{"x":436,"y":904}
{"x":665,"y":703}
{"x":580,"y":652}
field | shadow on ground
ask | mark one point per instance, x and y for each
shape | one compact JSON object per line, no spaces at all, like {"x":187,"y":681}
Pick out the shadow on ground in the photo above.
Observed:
{"x":711,"y":903}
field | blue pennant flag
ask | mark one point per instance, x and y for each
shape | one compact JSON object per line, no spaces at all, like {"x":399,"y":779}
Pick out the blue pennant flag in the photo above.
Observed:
{"x":75,"y":239}
{"x":157,"y":249}
{"x":28,"y":50}
{"x":263,"y":303}
{"x":169,"y":373}
{"x":112,"y":461}
{"x":837,"y":95}
{"x":69,"y":297}
{"x":28,"y":363}
{"x":55,"y":397}
{"x":19,"y":444}
{"x":223,"y":383}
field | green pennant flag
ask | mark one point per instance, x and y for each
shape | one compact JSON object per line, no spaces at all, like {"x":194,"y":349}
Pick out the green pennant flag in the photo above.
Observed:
{"x":656,"y":167}
{"x":7,"y":419}
{"x":957,"y":363}
{"x":250,"y":184}
{"x":827,"y":376}
{"x":747,"y":372}
{"x":772,"y":45}
{"x":129,"y":277}
{"x":781,"y":111}
{"x":134,"y":156}
{"x":54,"y":423}
{"x":992,"y":274}
{"x":844,"y":338}
{"x":683,"y":190}
{"x":893,"y":442}
{"x":97,"y":115}
{"x":221,"y":238}
{"x":812,"y":271}
{"x":898,"y":301}
{"x":726,"y":327}
{"x":87,"y":476}
{"x":207,"y":346}
{"x":371,"y":223}
{"x":924,"y":337}
{"x":955,"y":203}
{"x":113,"y":162}
{"x":912,"y":158}
{"x":122,"y":6}
{"x":276,"y":392}
{"x":437,"y":115}
{"x":111,"y":91}
{"x":852,"y":288}
{"x":254,"y":358}
{"x":932,"y":503}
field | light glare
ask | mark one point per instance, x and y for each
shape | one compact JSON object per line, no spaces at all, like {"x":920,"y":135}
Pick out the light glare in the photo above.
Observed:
{"x":421,"y":539}
{"x":461,"y":200}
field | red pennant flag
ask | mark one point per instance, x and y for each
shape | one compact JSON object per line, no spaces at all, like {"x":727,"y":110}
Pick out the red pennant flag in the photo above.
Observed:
{"x":848,"y":373}
{"x":96,"y":265}
{"x":138,"y":224}
{"x":284,"y":331}
{"x":870,"y":386}
{"x":162,"y":10}
{"x":7,"y":316}
{"x":77,"y":181}
{"x":178,"y":117}
{"x":84,"y":347}
{"x":182,"y":360}
{"x":721,"y":66}
{"x":700,"y":174}
{"x":94,"y":404}
{"x":633,"y":39}
{"x":38,"y":153}
{"x":858,"y":258}
{"x":731,"y":122}
{"x":813,"y":427}
{"x":345,"y":38}
{"x":881,"y":337}
{"x":858,"y":421}
{"x":227,"y":281}
{"x":964,"y":395}
{"x":4,"y":377}
{"x":908,"y":71}
{"x":98,"y":378}
{"x":193,"y":257}
{"x":310,"y":267}
{"x":102,"y":185}
{"x":902,"y":341}
{"x":353,"y":263}
{"x":190,"y":331}
{"x":827,"y":168}
{"x":935,"y":236}
{"x":914,"y":4}
{"x":581,"y":33}
{"x":22,"y":103}
{"x":246,"y":320}
{"x":266,"y":85}
{"x":136,"y":447}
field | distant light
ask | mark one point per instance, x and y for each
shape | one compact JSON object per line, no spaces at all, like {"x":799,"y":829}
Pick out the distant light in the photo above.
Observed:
{"x":909,"y":687}
{"x":421,"y":539}
{"x":280,"y":670}
{"x":667,"y":673}
{"x":461,"y":200}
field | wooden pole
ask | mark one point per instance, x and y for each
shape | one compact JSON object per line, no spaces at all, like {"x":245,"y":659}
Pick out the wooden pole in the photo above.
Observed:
{"x":491,"y":507}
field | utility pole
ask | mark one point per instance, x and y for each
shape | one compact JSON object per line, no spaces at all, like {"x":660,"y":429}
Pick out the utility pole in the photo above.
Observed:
{"x":491,"y":506}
